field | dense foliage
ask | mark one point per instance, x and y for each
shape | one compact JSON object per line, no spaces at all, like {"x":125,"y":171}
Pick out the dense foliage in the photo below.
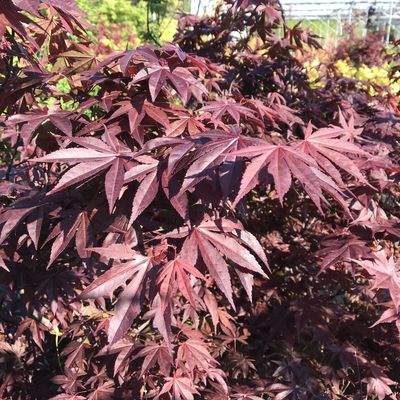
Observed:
{"x":196,"y":220}
{"x":368,"y":50}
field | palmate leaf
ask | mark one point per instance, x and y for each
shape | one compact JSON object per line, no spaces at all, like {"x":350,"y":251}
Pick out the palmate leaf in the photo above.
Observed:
{"x":175,"y":274}
{"x":327,"y":147}
{"x":386,"y":274}
{"x":153,"y":354}
{"x":263,"y":110}
{"x":103,"y":392}
{"x":222,"y":108}
{"x":378,"y":384}
{"x":96,"y":157}
{"x":75,"y":352}
{"x":282,"y":163}
{"x":212,"y":239}
{"x":79,"y":58}
{"x":193,"y":353}
{"x":210,"y":150}
{"x":179,"y":388}
{"x":343,"y":249}
{"x":35,"y":329}
{"x":189,"y":123}
{"x":70,"y":381}
{"x":159,"y":66}
{"x":128,"y":305}
{"x":158,"y":75}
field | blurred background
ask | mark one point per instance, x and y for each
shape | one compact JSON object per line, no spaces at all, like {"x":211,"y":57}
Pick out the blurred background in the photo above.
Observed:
{"x":332,"y":19}
{"x":142,"y":20}
{"x":121,"y":22}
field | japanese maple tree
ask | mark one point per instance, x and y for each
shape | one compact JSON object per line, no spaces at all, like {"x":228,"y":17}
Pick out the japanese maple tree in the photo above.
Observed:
{"x":194,"y":220}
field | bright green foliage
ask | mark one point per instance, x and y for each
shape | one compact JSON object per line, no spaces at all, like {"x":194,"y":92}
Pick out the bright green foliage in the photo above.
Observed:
{"x":148,"y":20}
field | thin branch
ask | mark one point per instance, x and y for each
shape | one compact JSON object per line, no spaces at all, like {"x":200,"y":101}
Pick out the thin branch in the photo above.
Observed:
{"x":149,"y":33}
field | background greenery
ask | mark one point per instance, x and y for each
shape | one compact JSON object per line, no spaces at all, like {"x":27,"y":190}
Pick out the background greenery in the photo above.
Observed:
{"x":147,"y":20}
